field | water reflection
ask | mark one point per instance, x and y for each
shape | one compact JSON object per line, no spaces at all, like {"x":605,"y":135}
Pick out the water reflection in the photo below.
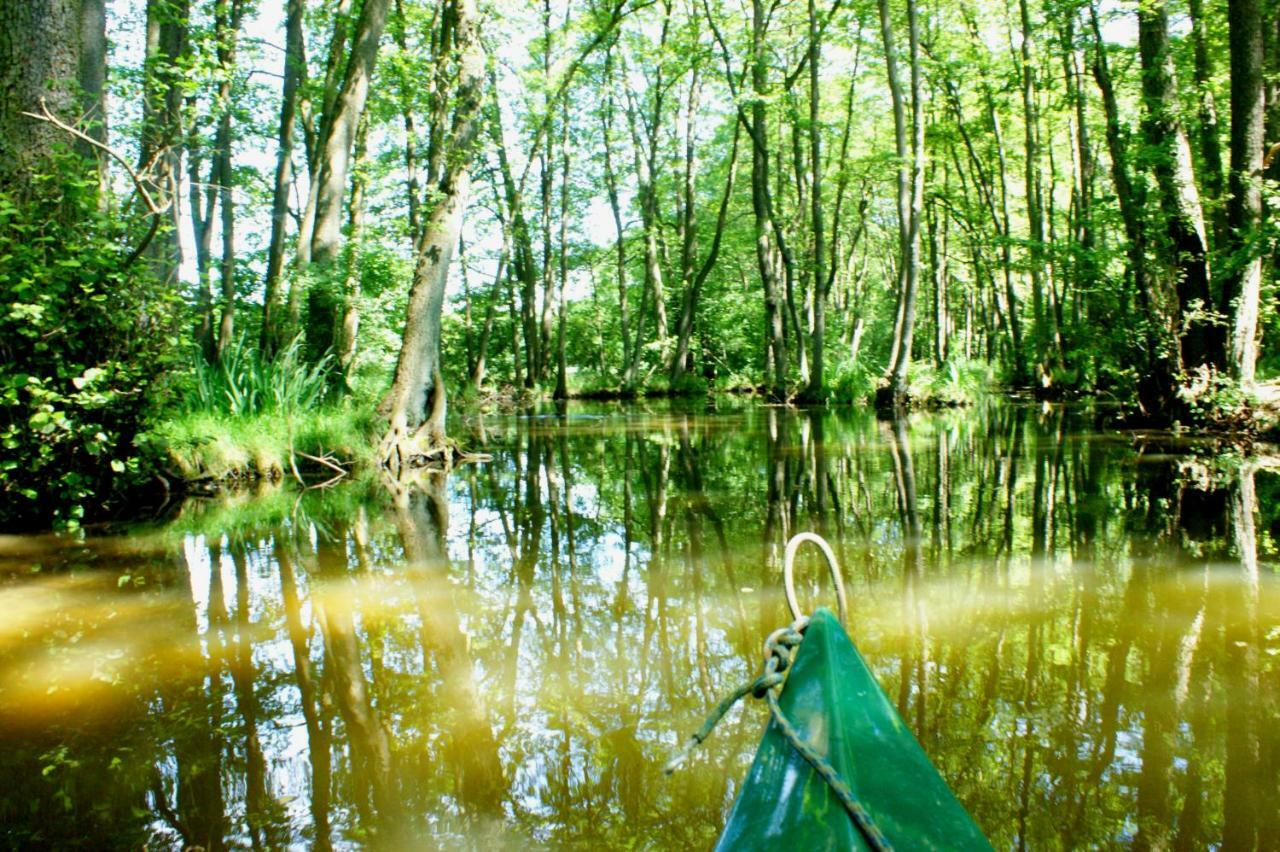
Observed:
{"x":1082,"y":629}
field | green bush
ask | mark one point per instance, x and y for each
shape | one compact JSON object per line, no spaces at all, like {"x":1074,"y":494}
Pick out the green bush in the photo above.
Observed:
{"x":83,"y":336}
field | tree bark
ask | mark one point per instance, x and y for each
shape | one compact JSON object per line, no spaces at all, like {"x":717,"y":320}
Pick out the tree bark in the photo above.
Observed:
{"x":1241,"y":285}
{"x":1185,"y":250}
{"x":817,"y":379}
{"x":227,"y":17}
{"x":415,"y":405}
{"x":295,"y":62}
{"x":42,"y":56}
{"x":339,"y":140}
{"x":760,"y":205}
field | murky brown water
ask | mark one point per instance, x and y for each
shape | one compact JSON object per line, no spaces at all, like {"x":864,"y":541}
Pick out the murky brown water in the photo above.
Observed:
{"x":1082,"y":628}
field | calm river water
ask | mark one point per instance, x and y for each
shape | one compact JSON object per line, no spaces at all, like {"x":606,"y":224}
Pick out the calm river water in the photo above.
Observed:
{"x":1082,"y":627}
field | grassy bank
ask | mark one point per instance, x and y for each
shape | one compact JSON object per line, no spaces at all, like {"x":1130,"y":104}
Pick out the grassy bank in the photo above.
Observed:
{"x":198,"y":446}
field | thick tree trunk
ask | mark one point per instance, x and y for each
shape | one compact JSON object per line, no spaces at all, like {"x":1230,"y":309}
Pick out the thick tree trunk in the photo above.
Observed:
{"x":1241,"y":285}
{"x":295,"y":61}
{"x":42,"y":57}
{"x":415,"y":405}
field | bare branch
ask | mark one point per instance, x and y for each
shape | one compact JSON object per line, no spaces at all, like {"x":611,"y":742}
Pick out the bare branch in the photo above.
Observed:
{"x":46,"y":116}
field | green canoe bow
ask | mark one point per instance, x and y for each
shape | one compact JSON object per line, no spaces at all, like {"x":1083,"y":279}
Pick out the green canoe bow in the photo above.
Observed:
{"x":833,"y":700}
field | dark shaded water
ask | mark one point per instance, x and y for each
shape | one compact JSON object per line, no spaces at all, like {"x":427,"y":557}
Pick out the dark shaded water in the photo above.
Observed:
{"x":1082,"y":628}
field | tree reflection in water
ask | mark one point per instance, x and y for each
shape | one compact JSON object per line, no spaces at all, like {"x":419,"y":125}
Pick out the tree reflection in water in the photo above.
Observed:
{"x":1081,"y":627}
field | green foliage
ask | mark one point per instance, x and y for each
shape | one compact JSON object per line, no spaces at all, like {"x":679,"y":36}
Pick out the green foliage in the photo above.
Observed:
{"x":83,"y":337}
{"x":852,"y":381}
{"x":244,"y":383}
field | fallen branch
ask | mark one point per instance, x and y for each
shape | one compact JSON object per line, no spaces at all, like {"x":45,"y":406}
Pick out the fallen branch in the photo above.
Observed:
{"x":327,"y":461}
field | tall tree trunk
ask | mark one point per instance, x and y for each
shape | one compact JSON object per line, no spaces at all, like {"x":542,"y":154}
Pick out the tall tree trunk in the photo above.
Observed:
{"x":562,"y":369}
{"x":688,"y":311}
{"x":1185,"y":250}
{"x":607,"y":117}
{"x":160,"y":151}
{"x":339,"y":140}
{"x":760,"y":205}
{"x":910,"y":196}
{"x":295,"y":61}
{"x":93,"y":79}
{"x":227,"y":17}
{"x":1210,"y":143}
{"x":342,"y":125}
{"x":1240,"y":286}
{"x":1044,"y":337}
{"x":1160,"y":346}
{"x":415,"y":405}
{"x":817,"y":378}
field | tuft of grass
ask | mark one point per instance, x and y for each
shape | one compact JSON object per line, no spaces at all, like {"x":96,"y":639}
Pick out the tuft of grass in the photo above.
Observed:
{"x":243,"y":383}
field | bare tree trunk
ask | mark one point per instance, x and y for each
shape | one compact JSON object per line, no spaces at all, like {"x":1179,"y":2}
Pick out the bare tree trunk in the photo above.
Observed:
{"x":910,"y":196}
{"x":295,"y":62}
{"x":817,"y":378}
{"x":1185,"y":251}
{"x":336,"y":146}
{"x":415,"y":405}
{"x":227,"y":17}
{"x":1240,"y":287}
{"x":774,"y":334}
{"x":160,"y":151}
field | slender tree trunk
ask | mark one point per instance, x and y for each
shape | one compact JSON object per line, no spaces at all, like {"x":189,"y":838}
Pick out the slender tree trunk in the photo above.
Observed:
{"x":415,"y":405}
{"x":910,"y":196}
{"x":227,"y":16}
{"x":1241,"y":285}
{"x":160,"y":151}
{"x":684,"y":327}
{"x":1041,"y":317}
{"x":774,"y":334}
{"x":627,"y":372}
{"x":337,"y":145}
{"x":1210,"y":142}
{"x":562,"y":369}
{"x":295,"y":61}
{"x":817,"y":378}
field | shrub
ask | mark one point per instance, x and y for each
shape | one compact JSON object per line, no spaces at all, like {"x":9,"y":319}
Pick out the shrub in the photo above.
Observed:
{"x":83,"y":336}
